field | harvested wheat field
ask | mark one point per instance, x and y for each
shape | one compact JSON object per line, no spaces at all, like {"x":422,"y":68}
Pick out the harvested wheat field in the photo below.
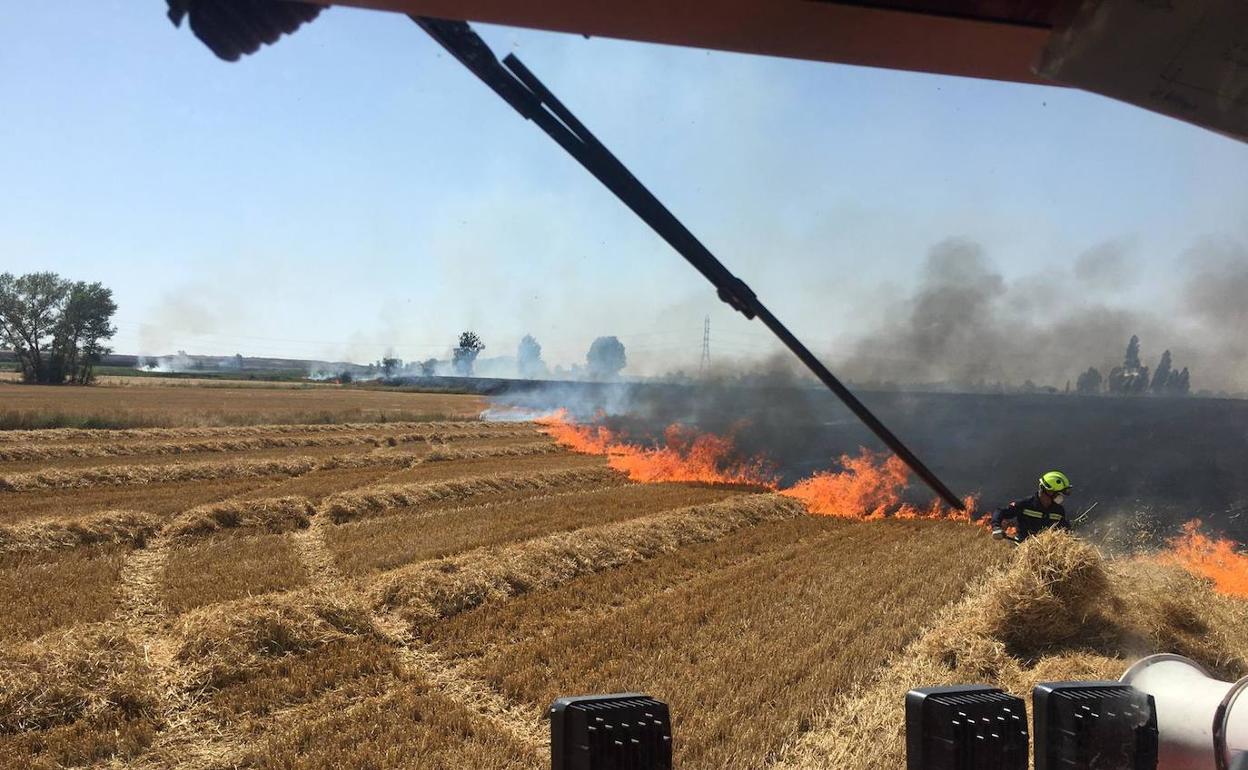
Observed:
{"x":413,"y":594}
{"x":144,"y":402}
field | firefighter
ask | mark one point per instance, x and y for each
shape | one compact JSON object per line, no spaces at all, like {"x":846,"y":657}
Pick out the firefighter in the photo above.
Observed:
{"x":1039,"y":512}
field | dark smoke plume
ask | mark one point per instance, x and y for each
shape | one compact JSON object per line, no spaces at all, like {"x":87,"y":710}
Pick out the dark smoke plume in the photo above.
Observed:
{"x":966,"y":326}
{"x":1215,"y":298}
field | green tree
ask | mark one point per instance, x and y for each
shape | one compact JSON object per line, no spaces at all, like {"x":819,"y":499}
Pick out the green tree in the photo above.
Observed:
{"x":1089,"y":382}
{"x":56,"y":327}
{"x":466,"y":352}
{"x":84,"y":324}
{"x":1131,"y":378}
{"x":1181,"y":383}
{"x":529,"y":358}
{"x":1161,"y":378}
{"x":29,"y":307}
{"x":1114,"y":382}
{"x":1132,"y":359}
{"x":606,"y":358}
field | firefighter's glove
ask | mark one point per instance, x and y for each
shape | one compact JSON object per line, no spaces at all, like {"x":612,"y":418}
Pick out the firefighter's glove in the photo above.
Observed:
{"x":998,"y":534}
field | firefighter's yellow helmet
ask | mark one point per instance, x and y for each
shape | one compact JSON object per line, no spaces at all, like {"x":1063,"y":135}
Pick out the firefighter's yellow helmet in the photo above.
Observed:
{"x":1055,"y":482}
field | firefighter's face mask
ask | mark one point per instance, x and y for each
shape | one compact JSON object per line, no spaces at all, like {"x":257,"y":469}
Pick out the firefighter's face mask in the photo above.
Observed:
{"x":1058,"y":498}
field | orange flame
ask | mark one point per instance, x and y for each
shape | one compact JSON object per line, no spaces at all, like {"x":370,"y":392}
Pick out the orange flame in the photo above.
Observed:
{"x":1212,"y":557}
{"x":686,"y":456}
{"x":864,"y":489}
{"x":867,"y":487}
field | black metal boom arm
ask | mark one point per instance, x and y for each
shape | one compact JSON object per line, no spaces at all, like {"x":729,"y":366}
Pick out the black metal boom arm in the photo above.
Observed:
{"x":520,"y":88}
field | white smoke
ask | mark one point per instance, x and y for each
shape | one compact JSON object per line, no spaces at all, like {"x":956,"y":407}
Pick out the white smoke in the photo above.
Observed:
{"x":174,"y":364}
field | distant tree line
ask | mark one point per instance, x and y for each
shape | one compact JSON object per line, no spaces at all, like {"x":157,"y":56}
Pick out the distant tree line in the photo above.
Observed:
{"x":529,"y":363}
{"x":604,"y":361}
{"x":606,"y":358}
{"x":56,"y":327}
{"x":464,"y":355}
{"x":1135,"y":379}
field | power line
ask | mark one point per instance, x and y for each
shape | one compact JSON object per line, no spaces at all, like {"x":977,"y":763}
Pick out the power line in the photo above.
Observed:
{"x":706,"y":345}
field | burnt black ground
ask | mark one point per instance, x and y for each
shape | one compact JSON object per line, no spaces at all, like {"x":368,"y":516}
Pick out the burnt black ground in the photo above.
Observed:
{"x":1152,"y":463}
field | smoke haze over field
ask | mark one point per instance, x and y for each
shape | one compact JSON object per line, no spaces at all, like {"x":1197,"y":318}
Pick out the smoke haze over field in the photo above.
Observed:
{"x":1215,"y":297}
{"x":958,"y":322}
{"x":965,"y":324}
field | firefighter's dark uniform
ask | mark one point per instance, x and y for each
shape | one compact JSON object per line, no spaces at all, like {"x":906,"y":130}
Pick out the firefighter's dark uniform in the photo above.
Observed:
{"x":1031,"y":516}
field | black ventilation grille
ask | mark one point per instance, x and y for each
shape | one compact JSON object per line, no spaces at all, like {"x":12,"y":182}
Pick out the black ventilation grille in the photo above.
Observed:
{"x":1094,"y":726}
{"x":973,"y":727}
{"x":627,"y":731}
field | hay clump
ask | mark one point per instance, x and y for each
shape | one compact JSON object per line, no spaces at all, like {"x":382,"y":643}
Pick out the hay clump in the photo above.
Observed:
{"x":231,"y":641}
{"x":124,"y":527}
{"x":108,"y":475}
{"x":424,"y":593}
{"x":1164,"y":608}
{"x":1054,"y":593}
{"x":374,"y":501}
{"x":273,"y":515}
{"x":211,"y":470}
{"x":84,"y":672}
{"x":1059,"y":610}
{"x":521,"y":450}
{"x":235,"y":431}
{"x":352,"y":461}
{"x":1061,"y":600}
{"x":126,"y":449}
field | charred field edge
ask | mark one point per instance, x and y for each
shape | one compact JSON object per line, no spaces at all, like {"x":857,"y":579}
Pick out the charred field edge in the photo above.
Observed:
{"x":1152,"y":462}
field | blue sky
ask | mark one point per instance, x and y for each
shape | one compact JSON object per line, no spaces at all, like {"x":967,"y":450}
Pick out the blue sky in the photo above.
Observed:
{"x":353,"y":190}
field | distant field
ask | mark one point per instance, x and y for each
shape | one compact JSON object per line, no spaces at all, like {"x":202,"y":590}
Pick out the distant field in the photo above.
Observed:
{"x":114,"y":375}
{"x":412,"y":594}
{"x":138,"y":380}
{"x":205,"y":375}
{"x":150,"y":401}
